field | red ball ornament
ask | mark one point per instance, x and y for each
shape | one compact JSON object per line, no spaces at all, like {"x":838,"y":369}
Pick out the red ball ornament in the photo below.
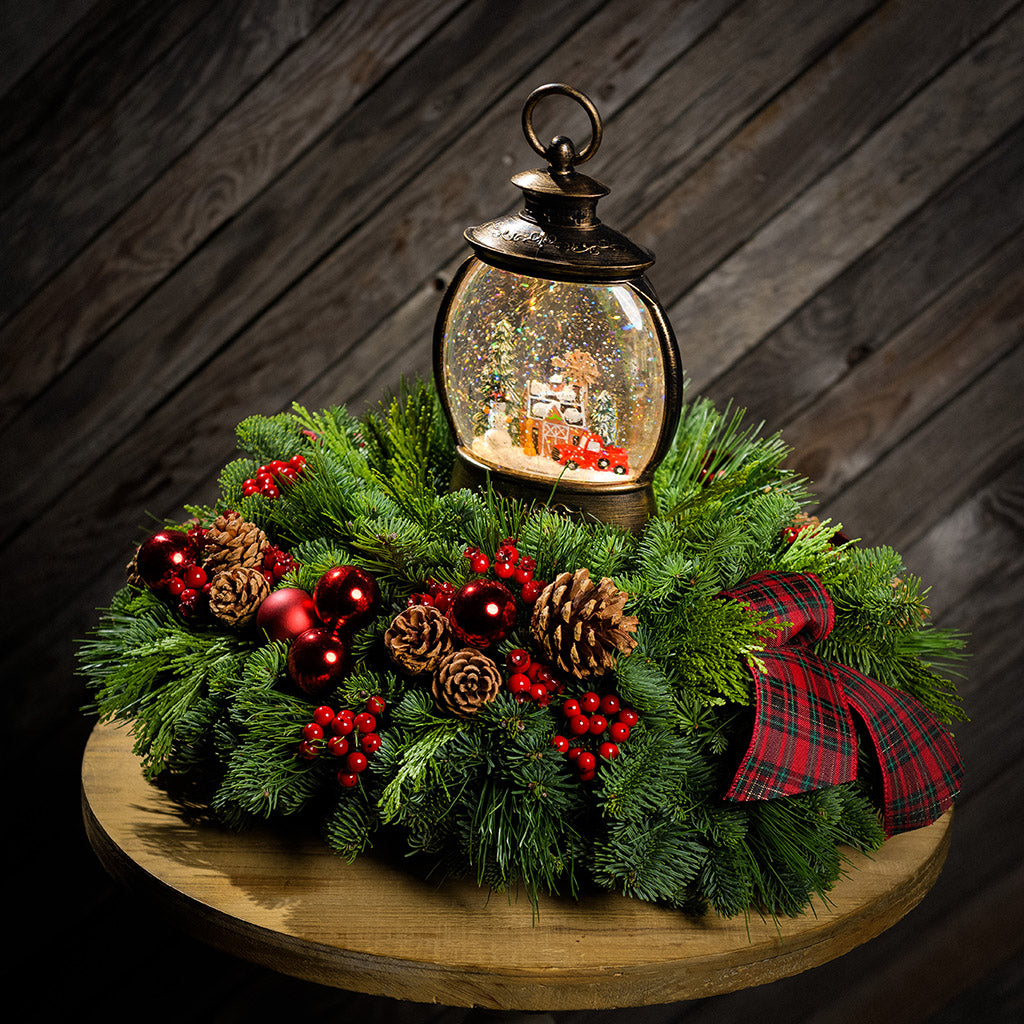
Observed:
{"x":482,"y":612}
{"x":164,"y":555}
{"x":346,"y":598}
{"x":317,"y":661}
{"x":285,"y":614}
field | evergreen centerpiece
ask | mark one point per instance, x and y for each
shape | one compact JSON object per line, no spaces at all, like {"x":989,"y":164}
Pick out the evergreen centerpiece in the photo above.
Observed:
{"x":699,"y":713}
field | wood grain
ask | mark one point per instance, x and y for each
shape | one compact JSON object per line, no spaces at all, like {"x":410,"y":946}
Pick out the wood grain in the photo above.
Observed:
{"x":286,"y":902}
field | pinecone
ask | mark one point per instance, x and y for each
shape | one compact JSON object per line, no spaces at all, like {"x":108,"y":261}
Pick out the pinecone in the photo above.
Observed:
{"x":580,"y":626}
{"x":132,"y":577}
{"x":232,"y":541}
{"x":236,"y":595}
{"x":465,"y":681}
{"x":418,"y":639}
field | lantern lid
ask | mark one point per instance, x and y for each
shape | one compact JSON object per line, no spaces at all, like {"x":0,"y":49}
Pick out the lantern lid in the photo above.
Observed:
{"x":557,"y":232}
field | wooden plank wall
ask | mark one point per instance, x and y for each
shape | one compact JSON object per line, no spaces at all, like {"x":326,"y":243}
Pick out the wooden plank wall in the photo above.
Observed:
{"x":211,"y":208}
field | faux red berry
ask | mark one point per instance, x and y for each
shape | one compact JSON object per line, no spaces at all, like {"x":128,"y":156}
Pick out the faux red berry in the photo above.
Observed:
{"x":532,"y":590}
{"x":590,"y":702}
{"x":342,"y":724}
{"x":573,"y":753}
{"x":479,"y":563}
{"x":323,"y":715}
{"x":571,"y":708}
{"x":598,"y":724}
{"x":309,"y":750}
{"x":609,"y":751}
{"x":628,"y":717}
{"x":249,"y":487}
{"x":503,"y":570}
{"x":348,"y":779}
{"x":312,"y":731}
{"x":518,"y":683}
{"x":517,"y":659}
{"x":338,"y":746}
{"x":297,"y":462}
{"x":376,"y":705}
{"x":609,"y":704}
{"x":579,"y":725}
{"x":560,"y":743}
{"x":365,"y":722}
{"x":370,"y":743}
{"x":356,"y":761}
{"x":586,"y":761}
{"x":175,"y":585}
{"x":523,"y":573}
{"x":619,"y":732}
{"x":539,"y":692}
{"x":195,"y":577}
{"x":587,"y":775}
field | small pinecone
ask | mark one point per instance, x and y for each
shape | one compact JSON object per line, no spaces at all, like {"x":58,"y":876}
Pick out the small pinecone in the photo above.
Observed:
{"x":465,"y":681}
{"x":132,"y":577}
{"x":580,"y":625}
{"x":418,"y":639}
{"x":236,"y":595}
{"x":232,"y":541}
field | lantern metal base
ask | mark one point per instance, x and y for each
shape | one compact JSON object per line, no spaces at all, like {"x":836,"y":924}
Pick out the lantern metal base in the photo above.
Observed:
{"x":627,"y":507}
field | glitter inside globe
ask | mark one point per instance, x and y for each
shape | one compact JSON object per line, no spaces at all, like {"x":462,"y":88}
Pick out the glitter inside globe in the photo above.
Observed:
{"x":482,"y":612}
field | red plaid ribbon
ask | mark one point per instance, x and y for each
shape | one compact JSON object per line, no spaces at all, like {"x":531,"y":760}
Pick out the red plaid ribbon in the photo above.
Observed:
{"x":804,"y":736}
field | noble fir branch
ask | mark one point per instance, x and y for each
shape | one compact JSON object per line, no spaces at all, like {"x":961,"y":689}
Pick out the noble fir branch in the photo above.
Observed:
{"x":651,"y":775}
{"x":270,"y":437}
{"x":145,"y":665}
{"x":351,"y":824}
{"x":265,"y":777}
{"x":654,"y":859}
{"x":882,"y":630}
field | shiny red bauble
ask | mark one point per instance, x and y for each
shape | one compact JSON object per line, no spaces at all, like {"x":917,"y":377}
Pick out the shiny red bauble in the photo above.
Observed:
{"x":482,"y":612}
{"x":317,"y":661}
{"x":286,"y":613}
{"x":346,"y":598}
{"x":165,"y":555}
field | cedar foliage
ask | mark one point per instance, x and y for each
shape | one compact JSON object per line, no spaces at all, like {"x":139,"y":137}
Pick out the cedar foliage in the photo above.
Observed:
{"x":215,"y":717}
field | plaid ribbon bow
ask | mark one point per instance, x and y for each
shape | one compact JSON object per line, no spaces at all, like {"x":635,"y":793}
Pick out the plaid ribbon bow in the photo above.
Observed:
{"x":804,"y":736}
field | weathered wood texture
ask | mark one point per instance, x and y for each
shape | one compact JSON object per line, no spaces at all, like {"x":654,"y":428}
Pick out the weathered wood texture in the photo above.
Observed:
{"x":213,"y":208}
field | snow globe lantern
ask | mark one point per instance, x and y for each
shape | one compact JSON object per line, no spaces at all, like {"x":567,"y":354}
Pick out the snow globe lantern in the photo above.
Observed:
{"x":556,"y":365}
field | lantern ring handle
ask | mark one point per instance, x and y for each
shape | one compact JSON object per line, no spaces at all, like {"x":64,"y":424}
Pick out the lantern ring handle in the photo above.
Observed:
{"x":565,"y":159}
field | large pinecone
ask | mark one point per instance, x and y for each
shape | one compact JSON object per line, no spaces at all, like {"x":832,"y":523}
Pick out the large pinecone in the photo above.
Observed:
{"x":580,"y":625}
{"x":232,"y":541}
{"x":465,"y":681}
{"x":418,"y":639}
{"x":236,"y":595}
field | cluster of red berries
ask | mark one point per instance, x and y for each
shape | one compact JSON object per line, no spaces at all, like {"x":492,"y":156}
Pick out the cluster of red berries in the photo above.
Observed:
{"x":188,"y":587}
{"x":508,"y":565}
{"x":438,"y":594}
{"x":270,"y":478}
{"x":531,"y":680}
{"x":277,"y":564}
{"x":601,"y":720}
{"x":345,"y":734}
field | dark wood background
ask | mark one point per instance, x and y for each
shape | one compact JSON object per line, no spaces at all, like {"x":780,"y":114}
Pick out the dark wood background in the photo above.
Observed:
{"x":212,"y":208}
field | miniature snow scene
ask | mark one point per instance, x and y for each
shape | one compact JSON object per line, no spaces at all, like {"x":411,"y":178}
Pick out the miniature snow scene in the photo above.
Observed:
{"x":563,"y":382}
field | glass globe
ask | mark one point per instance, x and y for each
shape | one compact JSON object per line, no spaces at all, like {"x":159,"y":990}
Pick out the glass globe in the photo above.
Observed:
{"x":553,"y":380}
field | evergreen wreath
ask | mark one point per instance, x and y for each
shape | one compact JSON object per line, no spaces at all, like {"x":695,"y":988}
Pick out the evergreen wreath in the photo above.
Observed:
{"x":529,"y":763}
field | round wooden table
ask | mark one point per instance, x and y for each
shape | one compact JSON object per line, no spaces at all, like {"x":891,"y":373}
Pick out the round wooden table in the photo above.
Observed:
{"x":289,"y":904}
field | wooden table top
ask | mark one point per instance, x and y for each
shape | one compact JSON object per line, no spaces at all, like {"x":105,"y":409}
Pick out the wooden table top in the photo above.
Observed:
{"x":291,"y":905}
